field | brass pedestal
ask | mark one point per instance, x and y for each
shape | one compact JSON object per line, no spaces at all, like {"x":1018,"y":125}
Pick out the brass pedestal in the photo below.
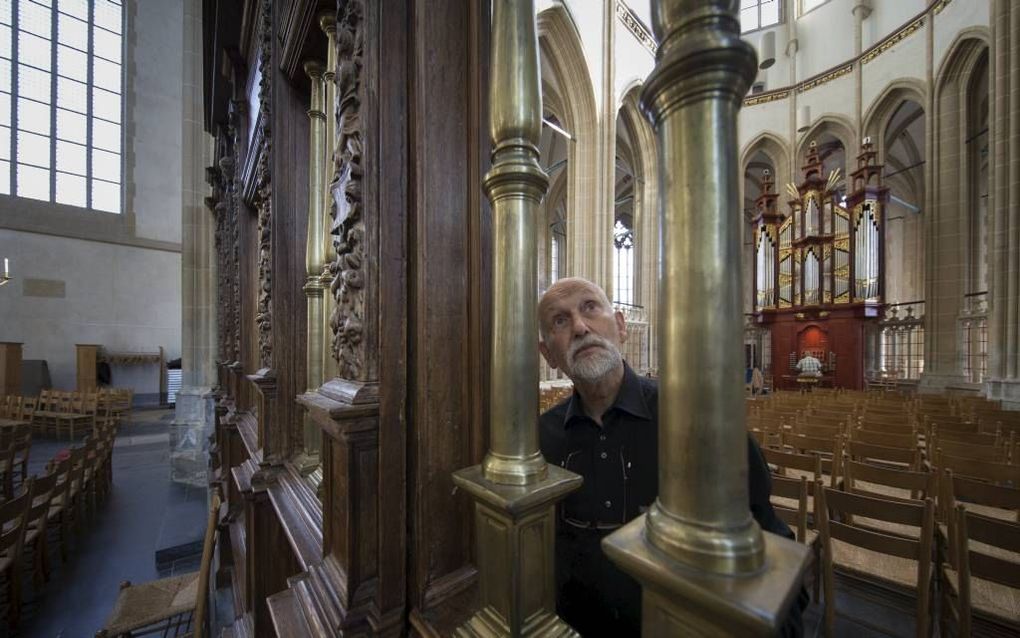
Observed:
{"x":516,"y":527}
{"x":680,"y":601}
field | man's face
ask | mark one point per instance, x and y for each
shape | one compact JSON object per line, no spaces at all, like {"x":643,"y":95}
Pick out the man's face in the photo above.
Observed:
{"x":582,"y":333}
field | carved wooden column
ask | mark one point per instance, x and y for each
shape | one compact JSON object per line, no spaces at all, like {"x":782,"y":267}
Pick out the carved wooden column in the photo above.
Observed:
{"x":351,"y":589}
{"x":705,"y":566}
{"x":308,"y":458}
{"x":514,"y":490}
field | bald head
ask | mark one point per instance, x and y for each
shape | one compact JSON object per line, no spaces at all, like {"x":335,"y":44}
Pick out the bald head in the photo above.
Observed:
{"x":560,"y":291}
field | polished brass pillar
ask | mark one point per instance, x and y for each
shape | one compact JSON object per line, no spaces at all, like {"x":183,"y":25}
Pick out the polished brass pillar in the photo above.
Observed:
{"x":315,"y":258}
{"x":703,"y":561}
{"x":515,"y":491}
{"x":327,"y":22}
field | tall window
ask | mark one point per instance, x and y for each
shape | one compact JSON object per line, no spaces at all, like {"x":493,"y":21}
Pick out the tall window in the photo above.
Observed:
{"x":623,"y":263}
{"x":758,"y":14}
{"x":60,"y":101}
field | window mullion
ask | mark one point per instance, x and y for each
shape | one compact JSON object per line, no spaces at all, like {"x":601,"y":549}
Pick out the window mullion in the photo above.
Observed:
{"x":88,"y":105}
{"x":53,"y":103}
{"x":15,"y":25}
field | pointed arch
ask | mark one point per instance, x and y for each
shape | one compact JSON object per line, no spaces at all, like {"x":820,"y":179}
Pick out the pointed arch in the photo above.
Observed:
{"x":839,"y":126}
{"x":776,"y":149}
{"x":569,"y":94}
{"x":882,"y":109}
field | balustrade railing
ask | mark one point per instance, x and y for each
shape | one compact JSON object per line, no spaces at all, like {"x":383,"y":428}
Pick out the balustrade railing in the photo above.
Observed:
{"x":973,"y":323}
{"x":901,"y":342}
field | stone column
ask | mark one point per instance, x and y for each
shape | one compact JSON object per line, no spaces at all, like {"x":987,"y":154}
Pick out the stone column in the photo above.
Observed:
{"x":705,"y":565}
{"x":1004,"y":235}
{"x":194,"y":416}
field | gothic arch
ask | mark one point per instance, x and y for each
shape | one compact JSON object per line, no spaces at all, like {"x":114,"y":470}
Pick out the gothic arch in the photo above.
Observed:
{"x":961,"y":56}
{"x":776,"y":149}
{"x":882,"y":109}
{"x":571,"y":98}
{"x":839,"y":126}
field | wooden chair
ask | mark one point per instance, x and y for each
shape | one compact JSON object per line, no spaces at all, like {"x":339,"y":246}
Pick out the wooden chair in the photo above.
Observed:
{"x":883,"y":438}
{"x":827,"y":449}
{"x":59,"y":516}
{"x":36,"y":527}
{"x":895,"y":457}
{"x":895,"y":563}
{"x":987,"y":453}
{"x":981,"y":577}
{"x":168,"y":603}
{"x":998,"y":473}
{"x":13,"y":515}
{"x":7,"y":471}
{"x":22,"y":445}
{"x":795,"y":490}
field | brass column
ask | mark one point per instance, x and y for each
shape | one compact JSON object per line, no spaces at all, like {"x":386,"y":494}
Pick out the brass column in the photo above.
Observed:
{"x":703,"y":561}
{"x":515,"y":491}
{"x":315,"y":257}
{"x":327,"y":22}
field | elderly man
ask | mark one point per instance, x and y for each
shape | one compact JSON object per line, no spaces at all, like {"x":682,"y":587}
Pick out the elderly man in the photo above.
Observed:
{"x":608,"y":433}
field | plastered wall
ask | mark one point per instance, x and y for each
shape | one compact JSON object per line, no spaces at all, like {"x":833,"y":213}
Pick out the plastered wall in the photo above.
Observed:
{"x":87,"y":277}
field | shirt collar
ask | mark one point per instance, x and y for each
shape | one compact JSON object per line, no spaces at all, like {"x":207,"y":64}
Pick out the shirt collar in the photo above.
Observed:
{"x":630,"y":399}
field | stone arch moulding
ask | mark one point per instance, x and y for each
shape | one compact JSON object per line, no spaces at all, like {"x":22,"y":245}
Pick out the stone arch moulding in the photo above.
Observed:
{"x":840,"y":127}
{"x":776,"y":149}
{"x":881,"y":110}
{"x":562,"y":53}
{"x":961,"y":55}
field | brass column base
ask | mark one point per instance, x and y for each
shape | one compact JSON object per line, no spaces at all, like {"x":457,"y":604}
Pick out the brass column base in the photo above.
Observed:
{"x":680,"y":601}
{"x":515,"y":528}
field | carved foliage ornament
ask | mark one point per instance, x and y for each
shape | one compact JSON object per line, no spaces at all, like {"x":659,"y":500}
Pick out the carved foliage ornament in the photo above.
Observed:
{"x":264,"y":193}
{"x":347,"y":207}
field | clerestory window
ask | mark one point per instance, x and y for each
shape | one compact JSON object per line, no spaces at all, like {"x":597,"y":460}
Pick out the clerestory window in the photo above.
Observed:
{"x":758,"y":14}
{"x":61,"y":86}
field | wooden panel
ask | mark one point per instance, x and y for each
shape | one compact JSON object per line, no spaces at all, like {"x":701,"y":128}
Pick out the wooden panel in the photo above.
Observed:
{"x":10,"y":368}
{"x":86,"y":355}
{"x":449,"y":239}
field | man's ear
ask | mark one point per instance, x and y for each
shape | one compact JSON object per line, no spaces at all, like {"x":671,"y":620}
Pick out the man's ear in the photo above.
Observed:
{"x":621,"y":326}
{"x":546,"y":354}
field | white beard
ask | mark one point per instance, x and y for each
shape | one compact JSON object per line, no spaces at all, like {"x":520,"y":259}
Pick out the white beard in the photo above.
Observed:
{"x":596,"y":364}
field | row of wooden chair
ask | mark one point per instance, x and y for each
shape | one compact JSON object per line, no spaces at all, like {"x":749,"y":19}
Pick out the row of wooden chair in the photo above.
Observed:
{"x":49,"y":509}
{"x":890,"y":516}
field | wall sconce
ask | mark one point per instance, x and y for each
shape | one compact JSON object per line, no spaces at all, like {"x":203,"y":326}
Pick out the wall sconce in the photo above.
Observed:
{"x":6,"y":276}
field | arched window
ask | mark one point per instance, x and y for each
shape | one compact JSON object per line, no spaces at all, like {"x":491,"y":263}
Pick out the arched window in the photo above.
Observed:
{"x":623,"y":263}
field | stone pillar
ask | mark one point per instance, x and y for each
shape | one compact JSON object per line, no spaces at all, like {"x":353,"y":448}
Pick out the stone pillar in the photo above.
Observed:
{"x":705,"y":566}
{"x":1004,"y":235}
{"x":194,"y":417}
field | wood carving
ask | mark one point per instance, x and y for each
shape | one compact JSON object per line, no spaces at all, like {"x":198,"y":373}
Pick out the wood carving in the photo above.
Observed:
{"x":237,"y":109}
{"x":264,"y":193}
{"x":347,"y":210}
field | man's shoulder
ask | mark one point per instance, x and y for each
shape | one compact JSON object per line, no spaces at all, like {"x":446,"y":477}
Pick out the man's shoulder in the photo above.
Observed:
{"x":555,"y":414}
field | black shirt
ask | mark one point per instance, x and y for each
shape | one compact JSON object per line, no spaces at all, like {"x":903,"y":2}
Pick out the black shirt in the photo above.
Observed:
{"x":619,"y":463}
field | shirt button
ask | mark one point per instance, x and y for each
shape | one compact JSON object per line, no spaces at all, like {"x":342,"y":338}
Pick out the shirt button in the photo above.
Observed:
{"x":604,"y":455}
{"x":602,"y":437}
{"x":608,"y":503}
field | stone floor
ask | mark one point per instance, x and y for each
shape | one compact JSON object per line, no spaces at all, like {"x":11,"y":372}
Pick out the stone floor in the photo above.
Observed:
{"x":145,"y":516}
{"x":151,"y":527}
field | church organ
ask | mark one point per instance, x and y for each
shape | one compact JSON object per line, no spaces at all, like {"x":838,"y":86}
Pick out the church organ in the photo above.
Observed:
{"x":818,"y":269}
